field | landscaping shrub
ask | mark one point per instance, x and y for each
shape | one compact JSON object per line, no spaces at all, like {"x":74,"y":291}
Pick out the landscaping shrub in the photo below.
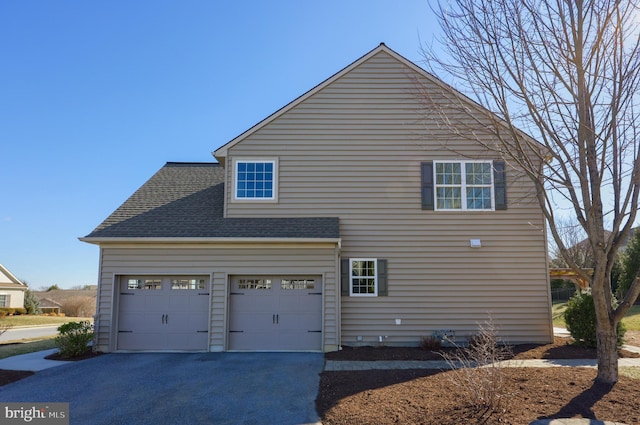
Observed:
{"x":31,"y":303}
{"x":580,"y":317}
{"x":73,"y":338}
{"x":477,"y":371}
{"x":430,"y":343}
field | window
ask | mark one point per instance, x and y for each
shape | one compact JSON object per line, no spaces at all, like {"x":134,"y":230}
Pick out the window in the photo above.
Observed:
{"x":4,"y":300}
{"x":187,"y":283}
{"x":364,"y":277}
{"x":464,"y":185}
{"x":255,"y":180}
{"x":254,"y":284}
{"x":145,"y":284}
{"x":297,"y":284}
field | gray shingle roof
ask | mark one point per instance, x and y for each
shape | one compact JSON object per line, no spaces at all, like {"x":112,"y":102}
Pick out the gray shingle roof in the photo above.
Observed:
{"x":186,"y":200}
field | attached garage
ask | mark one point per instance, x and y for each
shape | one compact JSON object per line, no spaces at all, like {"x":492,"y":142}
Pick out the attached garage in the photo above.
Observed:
{"x":275,"y":313}
{"x":159,"y":313}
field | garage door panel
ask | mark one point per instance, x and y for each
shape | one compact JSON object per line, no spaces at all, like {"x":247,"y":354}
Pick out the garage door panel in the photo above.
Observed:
{"x":142,"y":341}
{"x":254,"y":340}
{"x":253,"y":321}
{"x":180,"y":302}
{"x":298,"y":341}
{"x":163,"y":313}
{"x":300,"y":321}
{"x":275,"y":313}
{"x":247,"y":303}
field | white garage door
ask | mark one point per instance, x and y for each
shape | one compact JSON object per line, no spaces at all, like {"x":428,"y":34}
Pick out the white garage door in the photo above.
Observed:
{"x":273,"y":313}
{"x":163,"y":313}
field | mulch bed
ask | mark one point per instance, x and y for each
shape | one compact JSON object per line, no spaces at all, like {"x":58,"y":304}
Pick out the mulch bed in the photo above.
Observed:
{"x":88,"y":354}
{"x":9,"y":376}
{"x":432,"y":397}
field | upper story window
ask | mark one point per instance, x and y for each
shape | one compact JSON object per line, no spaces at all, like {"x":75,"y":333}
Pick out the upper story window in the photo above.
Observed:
{"x":255,"y":180}
{"x":463,"y":185}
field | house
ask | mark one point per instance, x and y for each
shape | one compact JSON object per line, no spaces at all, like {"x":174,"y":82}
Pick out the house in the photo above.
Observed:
{"x":337,"y":220}
{"x":47,"y":306}
{"x":11,"y":290}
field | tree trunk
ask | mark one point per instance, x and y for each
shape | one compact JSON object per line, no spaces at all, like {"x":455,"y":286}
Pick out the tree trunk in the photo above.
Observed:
{"x":606,"y":331}
{"x":607,"y":353}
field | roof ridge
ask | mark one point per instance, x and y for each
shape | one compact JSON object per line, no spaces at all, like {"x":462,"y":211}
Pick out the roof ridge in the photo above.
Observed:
{"x":191,"y":163}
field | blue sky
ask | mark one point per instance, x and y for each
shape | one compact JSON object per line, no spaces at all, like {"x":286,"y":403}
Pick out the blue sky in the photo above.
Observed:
{"x":96,"y":96}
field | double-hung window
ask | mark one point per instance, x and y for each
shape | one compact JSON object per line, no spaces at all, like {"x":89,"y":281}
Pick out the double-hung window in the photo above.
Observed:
{"x":364,"y":277}
{"x":463,"y":185}
{"x":363,"y":274}
{"x":255,"y":180}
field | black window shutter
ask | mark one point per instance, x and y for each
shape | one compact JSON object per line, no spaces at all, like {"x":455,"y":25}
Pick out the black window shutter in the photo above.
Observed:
{"x":344,"y":276}
{"x":426,"y":181}
{"x":383,"y":289}
{"x":500,"y":184}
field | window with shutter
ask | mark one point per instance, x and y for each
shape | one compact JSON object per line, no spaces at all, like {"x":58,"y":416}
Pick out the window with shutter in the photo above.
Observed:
{"x":463,"y":185}
{"x":364,"y":277}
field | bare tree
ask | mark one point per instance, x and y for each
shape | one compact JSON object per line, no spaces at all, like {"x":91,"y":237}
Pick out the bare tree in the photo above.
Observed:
{"x":568,"y":73}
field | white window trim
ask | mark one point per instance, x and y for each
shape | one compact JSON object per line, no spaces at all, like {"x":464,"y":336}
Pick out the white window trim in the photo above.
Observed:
{"x":463,"y":186}
{"x":375,"y":277}
{"x":255,"y":160}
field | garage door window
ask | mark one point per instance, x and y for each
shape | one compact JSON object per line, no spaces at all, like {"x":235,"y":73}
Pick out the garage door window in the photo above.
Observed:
{"x":298,"y":284}
{"x":145,"y":284}
{"x":254,"y":284}
{"x":187,"y":284}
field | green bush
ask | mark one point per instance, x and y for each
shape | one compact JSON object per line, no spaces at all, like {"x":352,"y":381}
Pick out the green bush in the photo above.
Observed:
{"x":31,"y":303}
{"x":580,"y":317}
{"x":73,"y":338}
{"x":629,"y":265}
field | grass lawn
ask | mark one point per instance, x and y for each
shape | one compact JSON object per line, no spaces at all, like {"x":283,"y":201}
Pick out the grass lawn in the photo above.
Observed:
{"x":35,"y":344}
{"x":631,"y":320}
{"x":8,"y":350}
{"x":31,"y":320}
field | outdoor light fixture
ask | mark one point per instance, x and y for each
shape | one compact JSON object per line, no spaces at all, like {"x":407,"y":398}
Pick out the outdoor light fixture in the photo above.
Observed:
{"x":475,"y":243}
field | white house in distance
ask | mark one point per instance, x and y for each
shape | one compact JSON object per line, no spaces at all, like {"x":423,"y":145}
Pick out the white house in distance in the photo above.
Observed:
{"x":348,"y":217}
{"x":11,"y":289}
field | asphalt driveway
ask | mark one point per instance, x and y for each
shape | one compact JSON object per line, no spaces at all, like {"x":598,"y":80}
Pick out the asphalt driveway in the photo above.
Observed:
{"x":177,"y":388}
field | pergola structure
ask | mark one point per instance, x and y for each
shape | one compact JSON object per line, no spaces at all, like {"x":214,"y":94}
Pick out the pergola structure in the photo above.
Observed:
{"x":570,"y":274}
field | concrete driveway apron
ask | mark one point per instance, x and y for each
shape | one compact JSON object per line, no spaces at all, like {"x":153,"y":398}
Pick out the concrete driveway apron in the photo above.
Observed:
{"x":180,"y":388}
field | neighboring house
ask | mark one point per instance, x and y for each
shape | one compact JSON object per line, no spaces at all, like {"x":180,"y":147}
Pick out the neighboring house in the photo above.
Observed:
{"x":47,"y":305}
{"x":348,"y":217}
{"x":11,"y":290}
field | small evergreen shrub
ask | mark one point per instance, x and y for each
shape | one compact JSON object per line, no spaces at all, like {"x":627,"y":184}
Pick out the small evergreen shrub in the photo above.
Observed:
{"x":73,"y":338}
{"x":580,"y":317}
{"x":31,"y":303}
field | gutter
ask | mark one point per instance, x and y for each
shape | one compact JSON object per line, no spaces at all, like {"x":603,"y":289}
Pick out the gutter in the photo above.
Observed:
{"x":99,"y":240}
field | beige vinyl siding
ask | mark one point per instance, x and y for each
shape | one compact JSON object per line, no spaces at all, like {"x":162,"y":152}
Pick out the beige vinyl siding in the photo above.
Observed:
{"x":218,"y":261}
{"x":353,"y":150}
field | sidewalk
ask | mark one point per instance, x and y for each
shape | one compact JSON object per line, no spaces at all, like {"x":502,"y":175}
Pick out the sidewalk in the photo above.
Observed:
{"x":340,"y":365}
{"x":31,"y":361}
